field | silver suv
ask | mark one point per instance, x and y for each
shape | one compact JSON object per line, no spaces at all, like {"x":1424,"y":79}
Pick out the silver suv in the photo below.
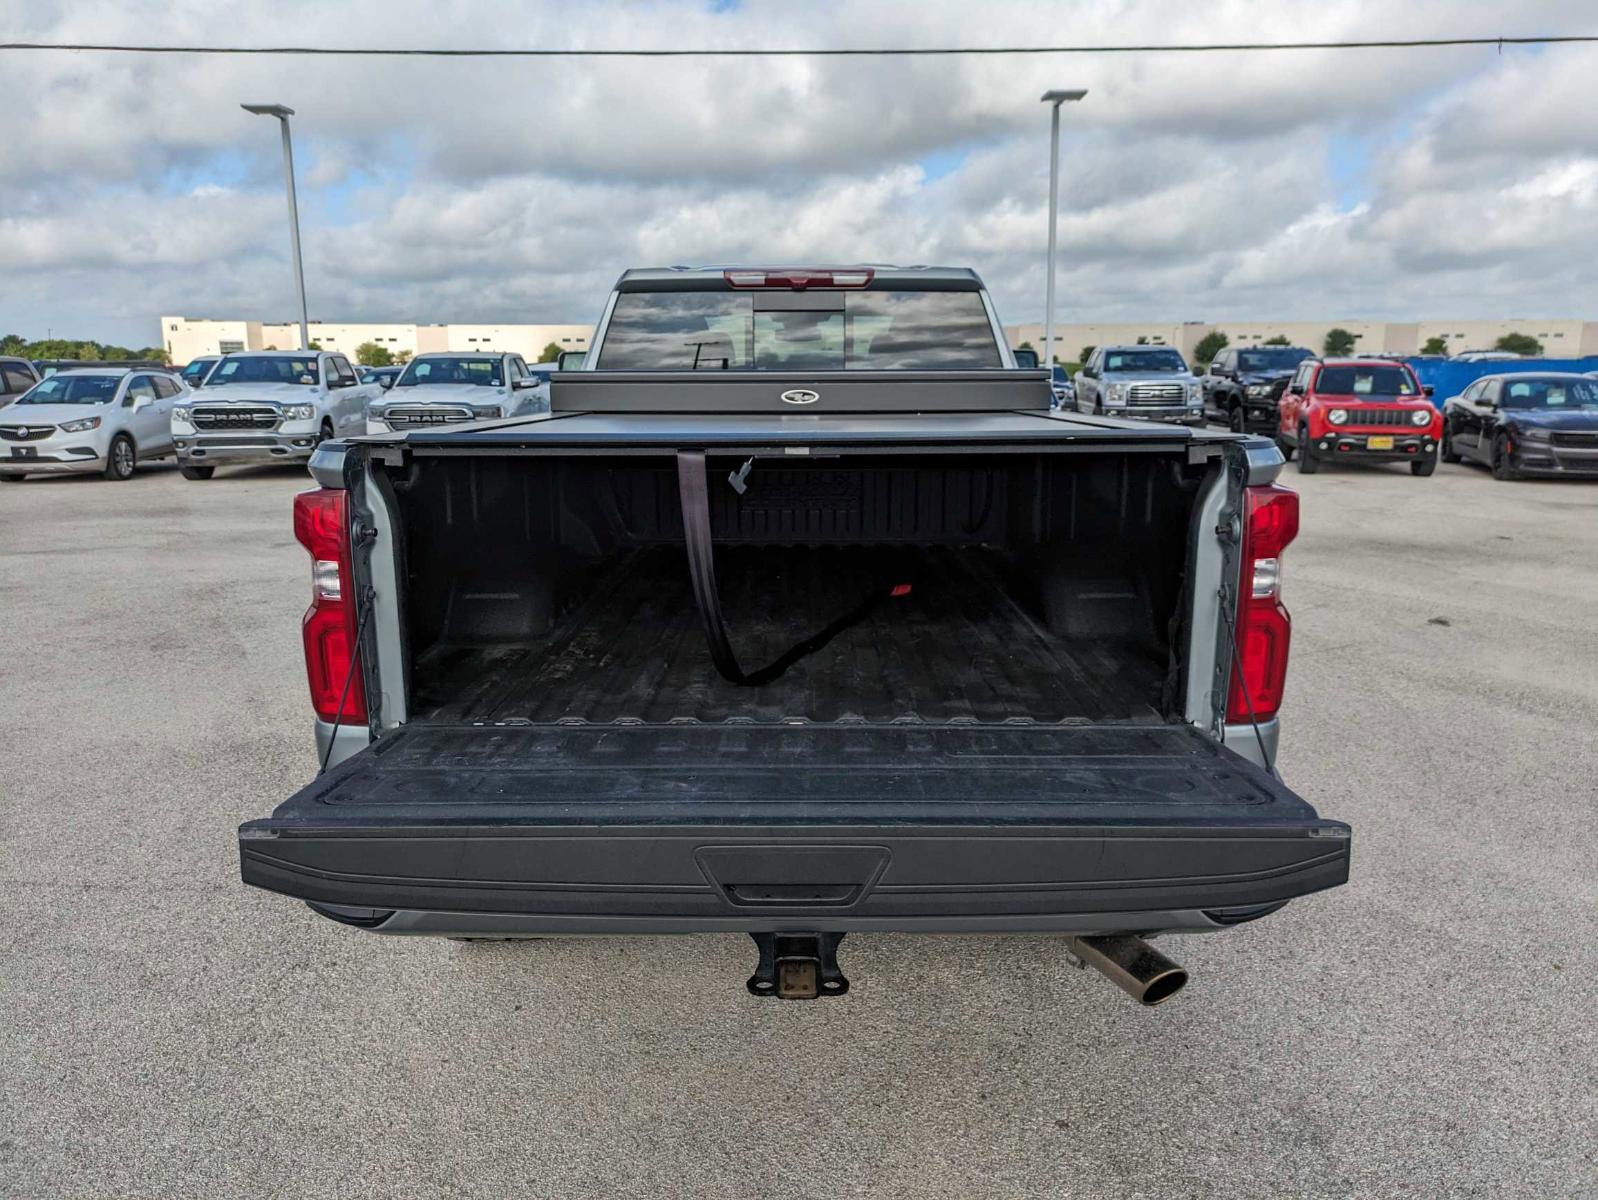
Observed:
{"x":1151,"y":382}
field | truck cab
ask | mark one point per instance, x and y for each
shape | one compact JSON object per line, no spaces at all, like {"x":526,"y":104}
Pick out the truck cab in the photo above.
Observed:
{"x":802,"y":612}
{"x":1359,"y":410}
{"x":268,"y":406}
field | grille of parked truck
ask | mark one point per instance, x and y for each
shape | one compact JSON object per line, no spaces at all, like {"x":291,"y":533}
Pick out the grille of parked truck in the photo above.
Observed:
{"x":800,"y":614}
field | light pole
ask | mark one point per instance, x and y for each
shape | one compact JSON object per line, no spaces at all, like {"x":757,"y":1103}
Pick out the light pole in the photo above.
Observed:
{"x":1054,"y":98}
{"x":283,"y":113}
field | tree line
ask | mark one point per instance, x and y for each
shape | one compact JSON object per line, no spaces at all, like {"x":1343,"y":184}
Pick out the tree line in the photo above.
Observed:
{"x":16,"y":345}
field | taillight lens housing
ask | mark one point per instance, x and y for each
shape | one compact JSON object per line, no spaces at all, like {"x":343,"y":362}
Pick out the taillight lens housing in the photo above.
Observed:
{"x":321,"y":524}
{"x":1264,"y":631}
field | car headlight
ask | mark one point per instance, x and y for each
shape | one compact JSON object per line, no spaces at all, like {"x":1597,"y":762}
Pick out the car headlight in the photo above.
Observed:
{"x":487,"y":413}
{"x":1116,"y":394}
{"x":1420,"y":417}
{"x":1526,"y":435}
{"x":1258,"y":391}
{"x":1195,"y":393}
{"x":181,"y":414}
{"x":298,"y":412}
{"x":1338,"y":416}
{"x":82,"y":425}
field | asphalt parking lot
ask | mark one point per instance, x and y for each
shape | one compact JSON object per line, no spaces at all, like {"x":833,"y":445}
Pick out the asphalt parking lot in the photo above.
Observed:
{"x":1427,"y":1030}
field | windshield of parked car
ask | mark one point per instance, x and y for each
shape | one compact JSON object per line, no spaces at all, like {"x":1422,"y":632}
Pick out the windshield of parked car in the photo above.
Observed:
{"x":816,"y":330}
{"x":484,"y":372}
{"x":1061,"y":375}
{"x":276,"y":368}
{"x":1366,"y":381}
{"x":72,"y":389}
{"x":1549,"y":393}
{"x":1284,"y":359}
{"x":1143,"y":360}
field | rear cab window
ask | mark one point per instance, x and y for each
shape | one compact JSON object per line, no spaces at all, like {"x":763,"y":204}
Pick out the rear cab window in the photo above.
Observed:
{"x":811,"y":330}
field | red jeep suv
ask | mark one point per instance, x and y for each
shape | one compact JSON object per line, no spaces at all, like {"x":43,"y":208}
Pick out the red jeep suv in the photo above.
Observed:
{"x":1372,"y":410}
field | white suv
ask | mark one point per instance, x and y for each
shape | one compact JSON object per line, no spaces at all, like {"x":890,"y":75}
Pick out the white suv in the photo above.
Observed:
{"x":103,"y":421}
{"x":264,"y":406}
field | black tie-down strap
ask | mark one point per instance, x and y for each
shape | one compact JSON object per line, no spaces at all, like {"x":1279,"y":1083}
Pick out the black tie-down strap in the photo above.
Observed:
{"x":694,"y":489}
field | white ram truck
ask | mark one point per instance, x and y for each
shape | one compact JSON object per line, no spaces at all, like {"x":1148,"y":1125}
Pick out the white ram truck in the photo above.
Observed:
{"x":269,"y":406}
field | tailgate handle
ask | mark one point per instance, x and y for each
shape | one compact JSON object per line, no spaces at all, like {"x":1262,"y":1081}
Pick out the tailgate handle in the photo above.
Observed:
{"x":757,"y":875}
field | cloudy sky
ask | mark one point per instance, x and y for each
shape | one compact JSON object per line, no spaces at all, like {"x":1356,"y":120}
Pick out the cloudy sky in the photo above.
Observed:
{"x":1397,"y":184}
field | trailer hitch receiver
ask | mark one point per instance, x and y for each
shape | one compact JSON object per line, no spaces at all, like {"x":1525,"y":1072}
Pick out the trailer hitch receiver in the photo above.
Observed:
{"x":797,"y":966}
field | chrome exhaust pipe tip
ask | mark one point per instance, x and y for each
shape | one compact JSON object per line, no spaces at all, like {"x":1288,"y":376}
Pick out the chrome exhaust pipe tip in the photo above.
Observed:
{"x":1132,"y":965}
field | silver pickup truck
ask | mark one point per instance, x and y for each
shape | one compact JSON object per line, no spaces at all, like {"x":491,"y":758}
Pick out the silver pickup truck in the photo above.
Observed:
{"x":800,"y":614}
{"x":1152,"y":383}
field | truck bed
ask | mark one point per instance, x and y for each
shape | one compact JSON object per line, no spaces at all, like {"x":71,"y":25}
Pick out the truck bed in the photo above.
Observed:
{"x":957,"y":648}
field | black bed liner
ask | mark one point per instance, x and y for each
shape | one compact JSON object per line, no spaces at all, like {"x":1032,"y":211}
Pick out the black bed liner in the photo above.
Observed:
{"x":957,"y":647}
{"x":757,"y":825}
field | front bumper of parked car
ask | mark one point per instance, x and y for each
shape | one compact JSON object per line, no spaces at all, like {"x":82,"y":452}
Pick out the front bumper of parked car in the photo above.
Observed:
{"x":1565,"y":453}
{"x":1385,"y":446}
{"x":291,"y":441}
{"x":61,"y":453}
{"x":1180,"y":414}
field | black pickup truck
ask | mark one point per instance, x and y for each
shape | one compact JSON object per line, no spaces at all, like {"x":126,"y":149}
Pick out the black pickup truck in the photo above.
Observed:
{"x":800,"y":614}
{"x":1243,"y":387}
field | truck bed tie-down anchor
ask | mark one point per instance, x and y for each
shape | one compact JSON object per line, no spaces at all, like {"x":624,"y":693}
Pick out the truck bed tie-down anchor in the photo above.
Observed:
{"x":797,"y":966}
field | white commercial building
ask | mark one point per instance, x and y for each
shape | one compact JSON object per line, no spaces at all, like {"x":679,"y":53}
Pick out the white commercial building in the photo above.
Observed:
{"x":187,"y":337}
{"x":1560,"y":337}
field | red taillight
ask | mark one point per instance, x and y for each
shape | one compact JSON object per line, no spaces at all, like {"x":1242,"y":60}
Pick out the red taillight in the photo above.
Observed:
{"x":321,"y":524}
{"x":798,"y":280}
{"x":1263,"y":628}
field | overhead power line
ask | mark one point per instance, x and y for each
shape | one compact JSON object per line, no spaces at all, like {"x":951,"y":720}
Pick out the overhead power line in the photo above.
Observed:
{"x":814,"y":52}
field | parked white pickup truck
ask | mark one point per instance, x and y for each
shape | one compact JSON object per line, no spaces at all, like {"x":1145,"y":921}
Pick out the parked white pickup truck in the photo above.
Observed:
{"x":269,"y":406}
{"x":449,"y":389}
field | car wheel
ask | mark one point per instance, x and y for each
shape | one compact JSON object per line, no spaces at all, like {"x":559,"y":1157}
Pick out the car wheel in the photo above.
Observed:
{"x":1308,"y":461}
{"x":1503,"y":461}
{"x":1235,"y":420}
{"x":1450,"y":455}
{"x":1423,"y":466}
{"x":121,"y":459}
{"x":197,"y":472}
{"x":325,"y":433}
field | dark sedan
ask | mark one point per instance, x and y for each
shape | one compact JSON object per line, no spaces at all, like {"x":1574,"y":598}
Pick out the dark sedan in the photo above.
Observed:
{"x":1525,"y":424}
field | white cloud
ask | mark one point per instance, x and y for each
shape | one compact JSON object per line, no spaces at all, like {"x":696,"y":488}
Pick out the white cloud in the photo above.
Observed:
{"x":1193,"y":186}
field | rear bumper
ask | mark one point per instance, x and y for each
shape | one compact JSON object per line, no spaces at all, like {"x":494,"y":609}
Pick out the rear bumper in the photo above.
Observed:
{"x":423,"y":923}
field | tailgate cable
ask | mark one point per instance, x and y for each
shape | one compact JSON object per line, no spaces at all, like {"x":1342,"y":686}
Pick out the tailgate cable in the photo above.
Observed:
{"x":367,"y":596}
{"x":694,"y":491}
{"x":1242,"y":682}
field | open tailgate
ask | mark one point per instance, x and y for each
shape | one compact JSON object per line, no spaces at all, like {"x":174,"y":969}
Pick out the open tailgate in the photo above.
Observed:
{"x":679,"y":828}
